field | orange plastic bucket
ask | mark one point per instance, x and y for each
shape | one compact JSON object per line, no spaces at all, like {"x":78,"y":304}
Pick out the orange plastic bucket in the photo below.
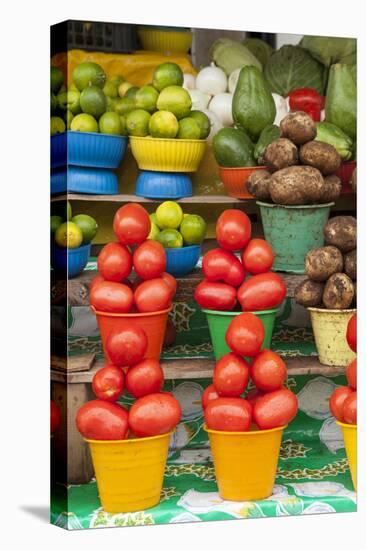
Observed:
{"x":235,"y":180}
{"x":153,"y":323}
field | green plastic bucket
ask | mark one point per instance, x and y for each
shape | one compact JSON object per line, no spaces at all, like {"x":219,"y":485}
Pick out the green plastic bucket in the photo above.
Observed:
{"x":292,"y":231}
{"x":218,"y":322}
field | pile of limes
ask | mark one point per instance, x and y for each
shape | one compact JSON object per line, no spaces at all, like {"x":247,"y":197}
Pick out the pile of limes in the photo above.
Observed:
{"x":69,"y":231}
{"x":174,"y":229}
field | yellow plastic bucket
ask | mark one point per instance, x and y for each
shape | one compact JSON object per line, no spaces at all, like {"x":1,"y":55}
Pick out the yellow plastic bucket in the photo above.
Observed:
{"x":349,"y":432}
{"x":245,"y":462}
{"x":165,"y":41}
{"x":130,"y":472}
{"x":329,"y":328}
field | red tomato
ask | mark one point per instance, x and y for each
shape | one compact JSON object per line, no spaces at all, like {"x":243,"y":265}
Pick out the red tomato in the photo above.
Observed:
{"x":231,"y":375}
{"x":154,"y":414}
{"x":253,"y":396}
{"x":352,"y":332}
{"x":170,"y":281}
{"x":208,"y":395}
{"x":111,"y":297}
{"x":336,"y":402}
{"x":149,"y":260}
{"x":221,"y":265}
{"x":351,"y":374}
{"x":170,"y":333}
{"x":257,"y":257}
{"x":102,"y":420}
{"x":55,"y":417}
{"x":264,"y":291}
{"x":108,"y":383}
{"x":245,"y":335}
{"x":216,"y":296}
{"x":114,"y":262}
{"x":131,"y":224}
{"x":126,"y":346}
{"x":153,"y":295}
{"x":144,"y":378}
{"x":228,"y":414}
{"x":233,"y":229}
{"x":268,"y":371}
{"x":275,"y":409}
{"x":95,"y":281}
{"x":350,"y":409}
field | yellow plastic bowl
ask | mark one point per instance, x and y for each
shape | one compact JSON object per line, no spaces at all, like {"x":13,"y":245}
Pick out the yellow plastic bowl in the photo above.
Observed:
{"x":329,"y":328}
{"x":245,"y":462}
{"x":167,"y":155}
{"x":165,"y":41}
{"x":349,"y":432}
{"x":130,"y":472}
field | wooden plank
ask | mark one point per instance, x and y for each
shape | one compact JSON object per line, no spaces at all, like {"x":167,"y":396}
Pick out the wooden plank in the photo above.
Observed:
{"x":180,"y":369}
{"x":75,"y":363}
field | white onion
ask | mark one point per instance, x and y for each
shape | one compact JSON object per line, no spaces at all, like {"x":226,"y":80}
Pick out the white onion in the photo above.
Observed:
{"x":282,"y":108}
{"x":221,"y":105}
{"x":211,"y":80}
{"x":199,"y":99}
{"x":233,"y":80}
{"x":322,"y":115}
{"x":189,"y":81}
{"x":215,"y":123}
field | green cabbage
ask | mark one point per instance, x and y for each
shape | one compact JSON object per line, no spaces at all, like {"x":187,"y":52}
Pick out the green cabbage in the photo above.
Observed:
{"x":230,"y":55}
{"x":329,"y":50}
{"x":261,"y":49}
{"x":292,"y":67}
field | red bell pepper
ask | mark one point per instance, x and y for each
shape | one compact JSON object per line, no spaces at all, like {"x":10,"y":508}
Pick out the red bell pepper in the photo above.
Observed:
{"x":307,"y":100}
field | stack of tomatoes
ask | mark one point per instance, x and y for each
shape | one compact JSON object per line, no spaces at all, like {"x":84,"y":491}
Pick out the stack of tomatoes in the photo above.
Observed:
{"x":269,"y":405}
{"x":153,"y":289}
{"x":153,"y":413}
{"x":343,"y":402}
{"x":225,"y":274}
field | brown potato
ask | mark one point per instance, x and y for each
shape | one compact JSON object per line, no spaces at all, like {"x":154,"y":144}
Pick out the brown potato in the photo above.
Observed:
{"x":299,"y":127}
{"x":332,"y":189}
{"x":353,"y":181}
{"x":296,"y":185}
{"x":320,"y":155}
{"x":341,"y":231}
{"x":321,"y":263}
{"x":309,"y":293}
{"x":338,"y":292}
{"x":279,"y":154}
{"x":258,"y":184}
{"x":350,"y":264}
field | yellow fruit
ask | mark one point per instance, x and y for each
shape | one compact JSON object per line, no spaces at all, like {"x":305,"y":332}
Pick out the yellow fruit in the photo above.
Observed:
{"x":163,"y":124}
{"x":69,"y":235}
{"x":169,"y":215}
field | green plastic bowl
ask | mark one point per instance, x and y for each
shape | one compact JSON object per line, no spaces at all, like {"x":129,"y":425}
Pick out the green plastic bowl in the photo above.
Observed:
{"x":219,"y":321}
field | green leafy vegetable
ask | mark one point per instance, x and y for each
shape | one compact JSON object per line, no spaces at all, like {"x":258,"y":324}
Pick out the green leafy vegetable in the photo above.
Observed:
{"x":330,"y":133}
{"x":230,"y":55}
{"x":341,"y":98}
{"x":259,"y":48}
{"x":329,"y":50}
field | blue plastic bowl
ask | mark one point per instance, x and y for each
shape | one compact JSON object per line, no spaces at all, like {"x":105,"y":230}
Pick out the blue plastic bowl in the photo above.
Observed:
{"x":163,"y":185}
{"x":181,"y":261}
{"x":95,"y":150}
{"x":58,"y":181}
{"x":59,"y":150}
{"x":94,"y":181}
{"x":70,"y":261}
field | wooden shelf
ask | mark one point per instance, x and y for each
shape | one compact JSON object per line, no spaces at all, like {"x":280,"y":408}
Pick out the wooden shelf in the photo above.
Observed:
{"x":120,"y":198}
{"x":180,"y":369}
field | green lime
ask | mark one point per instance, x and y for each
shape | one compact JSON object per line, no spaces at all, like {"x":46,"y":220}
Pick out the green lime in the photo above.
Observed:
{"x":124,"y":105}
{"x":154,"y":219}
{"x":69,"y":99}
{"x":111,"y":104}
{"x":88,"y":226}
{"x":69,"y":235}
{"x":170,"y":238}
{"x":203,"y":122}
{"x":73,"y":87}
{"x":84,"y":123}
{"x":93,"y":101}
{"x":68,"y":119}
{"x":110,"y":89}
{"x":146,"y":98}
{"x":123,"y":87}
{"x":193,"y":229}
{"x":124,"y":131}
{"x":154,"y":232}
{"x":167,"y":74}
{"x":110,"y":123}
{"x":68,"y":210}
{"x":163,"y":124}
{"x":57,"y":79}
{"x":88,"y":74}
{"x":169,"y":215}
{"x":117,"y":79}
{"x":188,"y":129}
{"x":55,"y":222}
{"x":131,"y":92}
{"x":137,"y":123}
{"x":57,"y":125}
{"x":54,"y":103}
{"x":176,"y":100}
